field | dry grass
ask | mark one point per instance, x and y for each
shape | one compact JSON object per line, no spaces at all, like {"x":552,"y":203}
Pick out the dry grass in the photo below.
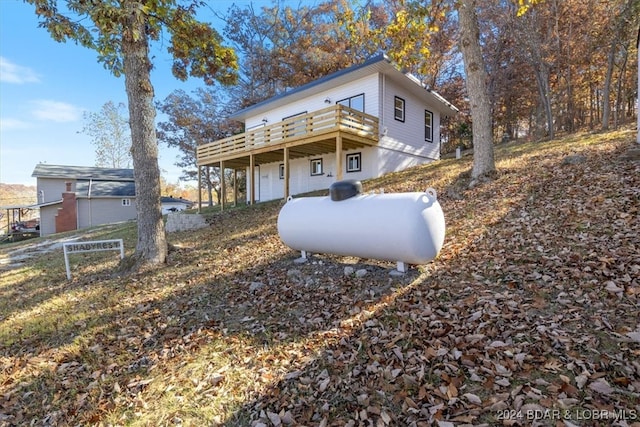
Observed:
{"x":516,"y":311}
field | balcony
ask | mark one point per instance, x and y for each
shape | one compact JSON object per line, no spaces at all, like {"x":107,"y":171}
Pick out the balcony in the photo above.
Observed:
{"x":330,"y":130}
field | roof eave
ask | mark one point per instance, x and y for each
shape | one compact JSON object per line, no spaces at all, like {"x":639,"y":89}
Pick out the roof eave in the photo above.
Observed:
{"x":378,"y":64}
{"x":258,"y":107}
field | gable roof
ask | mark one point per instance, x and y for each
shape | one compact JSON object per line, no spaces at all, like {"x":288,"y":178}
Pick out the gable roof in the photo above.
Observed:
{"x":377,"y":64}
{"x":44,"y":170}
{"x":93,"y":189}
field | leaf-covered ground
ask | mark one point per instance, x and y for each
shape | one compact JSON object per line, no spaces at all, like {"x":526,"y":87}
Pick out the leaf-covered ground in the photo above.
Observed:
{"x":530,"y":316}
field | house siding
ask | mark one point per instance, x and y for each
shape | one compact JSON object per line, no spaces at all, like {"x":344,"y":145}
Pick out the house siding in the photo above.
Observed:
{"x":367,"y":85}
{"x":51,"y":189}
{"x":268,"y":184}
{"x":401,"y":144}
{"x":301,"y":181}
{"x":408,"y":136}
{"x":51,"y":186}
{"x":92,"y":212}
{"x":48,"y":219}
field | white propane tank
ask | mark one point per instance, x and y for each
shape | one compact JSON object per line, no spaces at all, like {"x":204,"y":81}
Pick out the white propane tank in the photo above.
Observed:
{"x":401,"y":227}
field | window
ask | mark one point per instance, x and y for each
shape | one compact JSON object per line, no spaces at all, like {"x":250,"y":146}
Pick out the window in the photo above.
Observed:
{"x":316,"y":167}
{"x":398,"y":109}
{"x":428,"y":126}
{"x":281,"y":171}
{"x":126,"y":202}
{"x":354,"y":163}
{"x":355,"y":102}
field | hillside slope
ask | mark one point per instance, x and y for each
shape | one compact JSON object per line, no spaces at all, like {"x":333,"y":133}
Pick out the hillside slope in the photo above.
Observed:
{"x":530,"y":314}
{"x":17,"y":194}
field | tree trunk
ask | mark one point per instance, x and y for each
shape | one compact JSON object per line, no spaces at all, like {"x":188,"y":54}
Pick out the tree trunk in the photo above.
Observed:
{"x":483,"y":161}
{"x":209,"y":187}
{"x":151,"y":248}
{"x":618,"y":117}
{"x":541,"y":72}
{"x":606,"y":92}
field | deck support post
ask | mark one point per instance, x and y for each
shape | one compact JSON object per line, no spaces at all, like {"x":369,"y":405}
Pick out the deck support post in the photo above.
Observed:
{"x":199,"y":188}
{"x":339,"y":157}
{"x":222,"y":186}
{"x":235,"y":188}
{"x":252,"y":179}
{"x":286,"y":173}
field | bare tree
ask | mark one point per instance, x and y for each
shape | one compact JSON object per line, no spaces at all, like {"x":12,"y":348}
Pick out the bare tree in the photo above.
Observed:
{"x":110,"y":134}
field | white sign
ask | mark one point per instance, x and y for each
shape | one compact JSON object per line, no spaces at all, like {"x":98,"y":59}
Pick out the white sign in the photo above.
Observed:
{"x":94,"y":246}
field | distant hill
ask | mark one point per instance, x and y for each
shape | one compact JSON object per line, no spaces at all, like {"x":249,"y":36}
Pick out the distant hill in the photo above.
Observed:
{"x":17,"y":194}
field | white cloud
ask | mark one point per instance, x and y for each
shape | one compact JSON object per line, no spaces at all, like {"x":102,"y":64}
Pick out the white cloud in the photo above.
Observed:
{"x":56,"y":111}
{"x":8,"y":123}
{"x":13,"y":73}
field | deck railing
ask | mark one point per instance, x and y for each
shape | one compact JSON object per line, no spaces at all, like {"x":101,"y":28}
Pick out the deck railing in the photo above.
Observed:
{"x":298,"y":128}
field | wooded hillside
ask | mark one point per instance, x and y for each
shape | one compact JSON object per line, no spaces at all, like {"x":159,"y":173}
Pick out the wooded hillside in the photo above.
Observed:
{"x":551,"y":71}
{"x":550,"y":68}
{"x":528,"y":317}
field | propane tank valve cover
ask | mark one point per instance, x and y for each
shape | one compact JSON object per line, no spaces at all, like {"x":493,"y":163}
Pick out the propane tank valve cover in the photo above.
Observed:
{"x":343,"y":190}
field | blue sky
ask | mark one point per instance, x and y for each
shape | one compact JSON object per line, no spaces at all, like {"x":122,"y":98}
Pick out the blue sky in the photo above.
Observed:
{"x":46,"y":86}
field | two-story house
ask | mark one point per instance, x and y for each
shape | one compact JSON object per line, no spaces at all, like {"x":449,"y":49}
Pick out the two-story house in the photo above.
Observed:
{"x":75,"y":197}
{"x":358,"y":123}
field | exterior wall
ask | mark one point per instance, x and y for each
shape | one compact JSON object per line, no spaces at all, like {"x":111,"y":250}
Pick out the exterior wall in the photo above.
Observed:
{"x":367,"y":85}
{"x":52,"y":188}
{"x":301,"y":181}
{"x":407,"y":136}
{"x":92,"y":212}
{"x":392,"y":160}
{"x":402,"y":144}
{"x":48,"y":219}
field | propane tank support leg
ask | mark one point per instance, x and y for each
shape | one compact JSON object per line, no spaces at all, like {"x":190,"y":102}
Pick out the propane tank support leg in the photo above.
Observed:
{"x":303,"y":258}
{"x":402,"y":267}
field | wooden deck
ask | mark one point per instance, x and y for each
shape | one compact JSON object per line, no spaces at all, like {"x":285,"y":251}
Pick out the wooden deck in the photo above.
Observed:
{"x":332,"y":129}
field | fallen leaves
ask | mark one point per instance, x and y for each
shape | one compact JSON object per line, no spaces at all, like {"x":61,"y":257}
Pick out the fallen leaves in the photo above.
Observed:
{"x":531,"y":311}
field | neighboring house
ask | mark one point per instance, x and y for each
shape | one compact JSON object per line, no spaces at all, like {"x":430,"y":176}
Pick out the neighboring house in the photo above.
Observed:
{"x":172,"y":204}
{"x":358,"y":123}
{"x":75,"y":197}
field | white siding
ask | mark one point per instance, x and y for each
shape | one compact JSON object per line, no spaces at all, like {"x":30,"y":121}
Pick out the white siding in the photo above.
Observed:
{"x":367,"y":85}
{"x":389,"y":159}
{"x":408,"y":136}
{"x":301,"y":181}
{"x":402,"y":144}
